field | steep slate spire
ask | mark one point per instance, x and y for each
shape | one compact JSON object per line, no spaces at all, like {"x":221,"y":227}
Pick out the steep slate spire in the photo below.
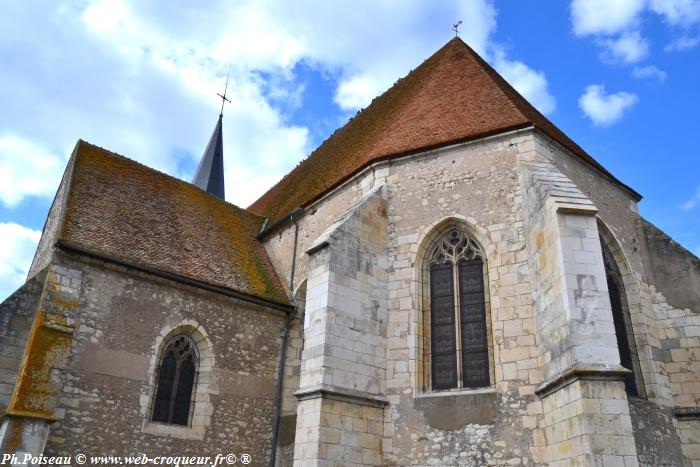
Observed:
{"x":210,"y":173}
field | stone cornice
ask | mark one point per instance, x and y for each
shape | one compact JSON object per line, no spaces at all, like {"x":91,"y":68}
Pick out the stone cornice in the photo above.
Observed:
{"x":581,"y":372}
{"x":342,"y":394}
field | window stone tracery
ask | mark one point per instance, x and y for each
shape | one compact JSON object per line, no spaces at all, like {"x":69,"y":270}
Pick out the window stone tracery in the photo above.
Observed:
{"x":458,"y":329}
{"x":176,"y":380}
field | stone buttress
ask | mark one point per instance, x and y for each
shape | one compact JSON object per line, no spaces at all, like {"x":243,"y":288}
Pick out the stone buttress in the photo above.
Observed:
{"x":587,"y":419}
{"x":32,"y":406}
{"x":340,"y":411}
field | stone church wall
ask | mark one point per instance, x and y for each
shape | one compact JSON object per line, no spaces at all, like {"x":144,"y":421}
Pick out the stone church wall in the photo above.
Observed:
{"x":671,"y":268}
{"x":106,"y":387}
{"x":477,"y":184}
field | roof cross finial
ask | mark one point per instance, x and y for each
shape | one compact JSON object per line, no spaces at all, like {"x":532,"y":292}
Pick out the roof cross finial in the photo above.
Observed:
{"x":223,"y":97}
{"x":455,"y":27}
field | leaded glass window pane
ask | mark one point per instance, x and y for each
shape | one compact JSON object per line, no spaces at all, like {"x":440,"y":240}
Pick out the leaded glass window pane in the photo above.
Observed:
{"x":459,"y":345}
{"x":176,"y":379}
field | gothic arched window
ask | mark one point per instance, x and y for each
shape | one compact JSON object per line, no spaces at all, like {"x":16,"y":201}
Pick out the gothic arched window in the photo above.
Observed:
{"x":176,"y":379}
{"x":621,"y":319}
{"x":458,"y":332}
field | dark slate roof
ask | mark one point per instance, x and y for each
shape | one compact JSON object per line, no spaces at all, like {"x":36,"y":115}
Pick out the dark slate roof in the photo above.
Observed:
{"x":210,"y":173}
{"x":453,"y":96}
{"x":122,"y":209}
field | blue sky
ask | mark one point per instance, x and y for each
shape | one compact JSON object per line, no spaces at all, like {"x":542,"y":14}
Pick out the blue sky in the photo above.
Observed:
{"x":140,"y":78}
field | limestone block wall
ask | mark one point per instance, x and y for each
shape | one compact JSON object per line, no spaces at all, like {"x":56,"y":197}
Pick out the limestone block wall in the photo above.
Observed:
{"x":657,"y":437}
{"x":474,"y":187}
{"x":689,"y":430}
{"x":588,"y":423}
{"x":106,"y":388}
{"x":338,"y":432}
{"x":475,"y":184}
{"x":673,"y":270}
{"x":674,"y":300}
{"x":678,"y":332}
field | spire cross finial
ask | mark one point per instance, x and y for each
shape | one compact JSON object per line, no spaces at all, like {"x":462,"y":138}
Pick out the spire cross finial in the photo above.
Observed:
{"x":223,"y":97}
{"x":455,"y":27}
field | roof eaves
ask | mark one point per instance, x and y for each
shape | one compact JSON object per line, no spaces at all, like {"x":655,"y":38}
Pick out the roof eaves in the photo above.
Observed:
{"x":68,"y":247}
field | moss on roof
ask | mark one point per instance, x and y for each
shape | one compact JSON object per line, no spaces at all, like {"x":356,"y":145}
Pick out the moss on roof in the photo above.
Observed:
{"x":123,"y":209}
{"x":453,"y":96}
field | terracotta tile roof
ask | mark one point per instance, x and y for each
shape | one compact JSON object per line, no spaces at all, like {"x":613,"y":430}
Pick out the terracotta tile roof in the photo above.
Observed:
{"x":453,"y":96}
{"x":120,"y":208}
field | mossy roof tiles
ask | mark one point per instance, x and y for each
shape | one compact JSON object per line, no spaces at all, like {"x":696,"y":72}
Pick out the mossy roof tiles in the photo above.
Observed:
{"x":122,"y":209}
{"x":453,"y":96}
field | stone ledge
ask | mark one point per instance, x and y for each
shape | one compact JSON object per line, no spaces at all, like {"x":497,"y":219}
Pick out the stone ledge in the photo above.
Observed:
{"x":455,"y":393}
{"x":582,"y":372}
{"x":687,"y":413}
{"x":576,"y":208}
{"x":342,"y":395}
{"x":30,"y":415}
{"x":193,"y":432}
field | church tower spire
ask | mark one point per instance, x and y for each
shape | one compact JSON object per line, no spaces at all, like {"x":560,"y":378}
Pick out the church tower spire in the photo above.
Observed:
{"x":210,"y":172}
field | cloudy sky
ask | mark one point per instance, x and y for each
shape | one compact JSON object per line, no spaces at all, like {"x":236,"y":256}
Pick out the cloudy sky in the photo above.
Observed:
{"x":140,"y":78}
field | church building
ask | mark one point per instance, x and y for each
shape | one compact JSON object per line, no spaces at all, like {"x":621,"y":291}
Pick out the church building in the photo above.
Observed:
{"x":448,"y":280}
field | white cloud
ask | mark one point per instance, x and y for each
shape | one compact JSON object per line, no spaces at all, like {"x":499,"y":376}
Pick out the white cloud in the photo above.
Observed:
{"x":678,"y":12}
{"x":616,"y":24}
{"x":683,"y":43}
{"x":530,"y":83}
{"x":605,"y":16}
{"x":629,"y":47}
{"x":649,"y":71}
{"x":356,"y":92}
{"x":693,"y":201}
{"x":141,"y":79}
{"x":27,"y":169}
{"x":605,"y":109}
{"x":17,"y":245}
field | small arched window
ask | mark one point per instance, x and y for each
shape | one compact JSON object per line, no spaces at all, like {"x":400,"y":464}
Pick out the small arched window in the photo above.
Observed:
{"x":176,"y":380}
{"x":458,"y":332}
